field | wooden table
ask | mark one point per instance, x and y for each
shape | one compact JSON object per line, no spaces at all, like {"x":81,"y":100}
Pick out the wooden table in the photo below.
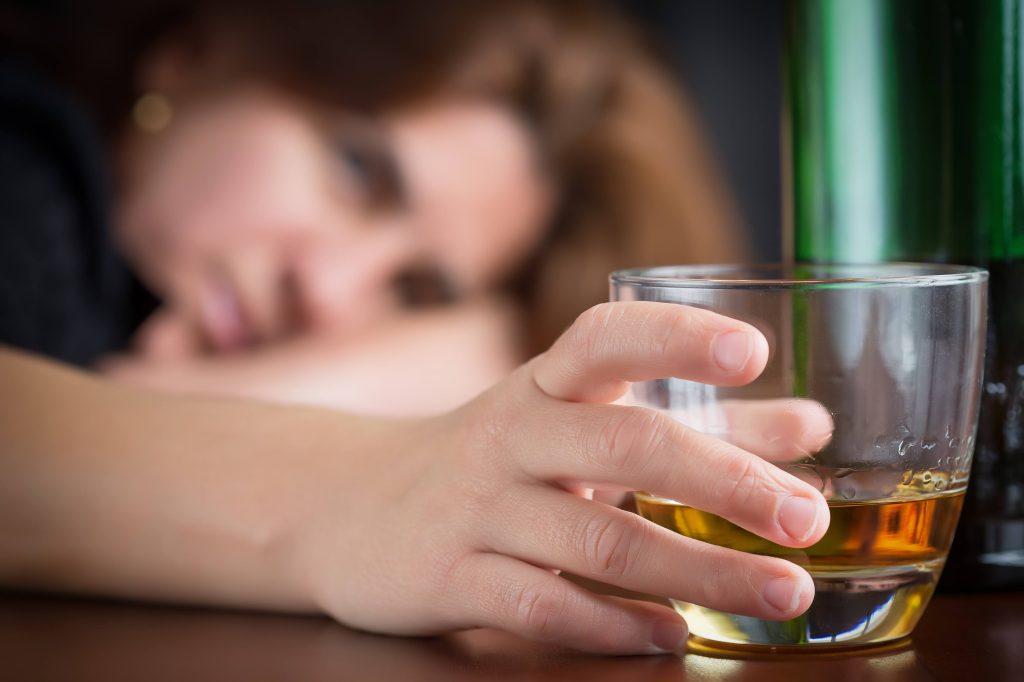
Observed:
{"x":976,"y":638}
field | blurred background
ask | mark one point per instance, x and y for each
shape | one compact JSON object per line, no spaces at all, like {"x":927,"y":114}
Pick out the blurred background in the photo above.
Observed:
{"x":728,"y":54}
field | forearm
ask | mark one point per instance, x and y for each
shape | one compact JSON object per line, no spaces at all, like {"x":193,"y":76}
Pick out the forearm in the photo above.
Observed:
{"x":112,"y":490}
{"x":470,"y":348}
{"x":418,"y":526}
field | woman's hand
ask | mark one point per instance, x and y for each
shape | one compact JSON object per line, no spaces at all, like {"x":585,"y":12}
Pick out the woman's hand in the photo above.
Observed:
{"x":457,"y":521}
{"x":418,"y":525}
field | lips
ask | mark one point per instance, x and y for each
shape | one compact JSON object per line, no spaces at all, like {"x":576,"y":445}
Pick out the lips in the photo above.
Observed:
{"x":222,"y":317}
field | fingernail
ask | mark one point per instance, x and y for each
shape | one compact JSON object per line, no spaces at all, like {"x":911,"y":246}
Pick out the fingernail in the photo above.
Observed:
{"x":798,"y":516}
{"x":782,"y":593}
{"x":668,"y":635}
{"x":732,"y":350}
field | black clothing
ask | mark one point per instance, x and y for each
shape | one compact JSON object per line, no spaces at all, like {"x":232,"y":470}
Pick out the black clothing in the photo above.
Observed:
{"x":64,"y":292}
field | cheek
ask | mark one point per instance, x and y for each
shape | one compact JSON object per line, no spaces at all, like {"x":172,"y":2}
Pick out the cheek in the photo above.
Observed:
{"x":265,"y":188}
{"x":471,"y":176}
{"x":481,"y":247}
{"x":220,"y":189}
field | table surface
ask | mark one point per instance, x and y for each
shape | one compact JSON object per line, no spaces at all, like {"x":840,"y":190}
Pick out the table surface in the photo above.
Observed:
{"x":975,"y":637}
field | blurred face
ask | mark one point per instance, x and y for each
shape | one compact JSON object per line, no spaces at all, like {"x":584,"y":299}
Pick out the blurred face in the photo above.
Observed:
{"x":256,"y":217}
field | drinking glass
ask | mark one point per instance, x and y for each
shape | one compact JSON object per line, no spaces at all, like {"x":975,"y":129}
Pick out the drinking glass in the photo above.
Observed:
{"x":894,"y":353}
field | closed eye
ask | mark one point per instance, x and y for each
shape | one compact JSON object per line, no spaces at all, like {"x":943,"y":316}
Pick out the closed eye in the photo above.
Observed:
{"x":372,"y":169}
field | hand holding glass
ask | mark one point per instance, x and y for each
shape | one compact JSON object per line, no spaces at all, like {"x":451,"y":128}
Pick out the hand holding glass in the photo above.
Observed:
{"x":870,"y":394}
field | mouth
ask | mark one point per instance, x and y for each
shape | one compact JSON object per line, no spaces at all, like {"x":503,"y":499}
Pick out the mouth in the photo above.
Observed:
{"x":222,"y":316}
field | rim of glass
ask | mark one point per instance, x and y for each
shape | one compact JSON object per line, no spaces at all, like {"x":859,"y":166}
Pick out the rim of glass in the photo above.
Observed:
{"x":716,"y":276}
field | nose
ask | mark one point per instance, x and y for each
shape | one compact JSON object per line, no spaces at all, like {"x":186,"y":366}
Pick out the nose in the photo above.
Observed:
{"x":341,"y":282}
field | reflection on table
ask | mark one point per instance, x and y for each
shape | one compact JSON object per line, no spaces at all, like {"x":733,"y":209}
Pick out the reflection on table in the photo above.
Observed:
{"x":977,"y":637}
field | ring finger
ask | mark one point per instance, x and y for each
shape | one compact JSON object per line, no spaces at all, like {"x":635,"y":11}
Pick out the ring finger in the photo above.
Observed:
{"x":614,"y":546}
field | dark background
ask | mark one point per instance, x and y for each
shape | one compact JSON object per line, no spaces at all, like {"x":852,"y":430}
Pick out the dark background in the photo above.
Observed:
{"x":728,"y":56}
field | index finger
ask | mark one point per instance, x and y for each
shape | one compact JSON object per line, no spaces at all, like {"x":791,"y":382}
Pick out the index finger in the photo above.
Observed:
{"x":612,"y":344}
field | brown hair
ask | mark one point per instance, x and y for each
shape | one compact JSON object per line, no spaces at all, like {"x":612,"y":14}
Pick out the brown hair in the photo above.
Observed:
{"x":636,"y":183}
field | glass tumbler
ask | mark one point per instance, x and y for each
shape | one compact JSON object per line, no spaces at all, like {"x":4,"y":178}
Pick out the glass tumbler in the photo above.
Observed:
{"x":894,"y":353}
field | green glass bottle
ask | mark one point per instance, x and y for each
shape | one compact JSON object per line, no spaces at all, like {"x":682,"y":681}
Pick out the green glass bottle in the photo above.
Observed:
{"x":904,"y":141}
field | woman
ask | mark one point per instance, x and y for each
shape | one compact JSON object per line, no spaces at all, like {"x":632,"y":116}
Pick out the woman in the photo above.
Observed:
{"x":413,"y":525}
{"x":291,"y":196}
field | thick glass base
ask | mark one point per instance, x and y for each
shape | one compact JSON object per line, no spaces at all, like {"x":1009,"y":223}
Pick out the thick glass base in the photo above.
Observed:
{"x":851,"y":608}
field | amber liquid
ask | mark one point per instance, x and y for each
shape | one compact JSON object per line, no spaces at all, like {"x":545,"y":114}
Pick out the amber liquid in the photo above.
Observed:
{"x":874,"y":570}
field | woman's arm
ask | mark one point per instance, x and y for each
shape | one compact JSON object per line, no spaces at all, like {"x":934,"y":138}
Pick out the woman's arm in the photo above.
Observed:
{"x":415,"y":363}
{"x":411,"y":526}
{"x":112,"y":490}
